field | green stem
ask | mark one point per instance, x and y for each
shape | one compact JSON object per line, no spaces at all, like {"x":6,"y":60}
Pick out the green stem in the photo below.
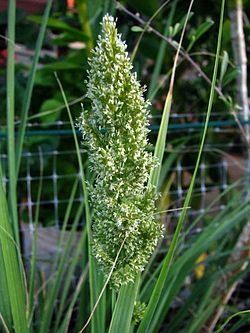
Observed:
{"x":168,"y":260}
{"x":29,"y":87}
{"x":11,"y":118}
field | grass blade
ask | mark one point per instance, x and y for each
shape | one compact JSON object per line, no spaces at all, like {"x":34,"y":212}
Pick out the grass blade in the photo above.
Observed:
{"x":15,"y":286}
{"x":64,"y":327}
{"x":230,"y":318}
{"x":161,"y":54}
{"x":186,"y":263}
{"x":34,"y":242}
{"x":5,"y":309}
{"x":161,"y":142}
{"x":12,"y":196}
{"x":153,"y":180}
{"x":122,"y":316}
{"x":4,"y":324}
{"x":167,"y":262}
{"x":162,"y":135}
{"x":70,"y":273}
{"x":30,"y":85}
{"x":95,"y":279}
{"x":146,"y":28}
{"x":59,"y":269}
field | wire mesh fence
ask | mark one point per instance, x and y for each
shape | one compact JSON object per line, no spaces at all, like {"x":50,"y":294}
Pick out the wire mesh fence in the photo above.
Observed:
{"x":49,"y":159}
{"x":49,"y":163}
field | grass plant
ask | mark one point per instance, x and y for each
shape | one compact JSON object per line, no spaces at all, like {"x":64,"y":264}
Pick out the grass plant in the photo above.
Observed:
{"x":73,"y":301}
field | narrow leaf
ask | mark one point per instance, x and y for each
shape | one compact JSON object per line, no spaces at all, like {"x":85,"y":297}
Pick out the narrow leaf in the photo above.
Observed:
{"x":123,"y":312}
{"x":30,"y":85}
{"x":167,"y":262}
{"x":15,"y":286}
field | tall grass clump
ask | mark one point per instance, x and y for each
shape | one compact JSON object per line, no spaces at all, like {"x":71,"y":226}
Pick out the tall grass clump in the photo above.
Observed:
{"x":115,"y":130}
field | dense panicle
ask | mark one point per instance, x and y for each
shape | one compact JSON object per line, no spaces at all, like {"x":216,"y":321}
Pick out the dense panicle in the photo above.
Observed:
{"x":115,"y":130}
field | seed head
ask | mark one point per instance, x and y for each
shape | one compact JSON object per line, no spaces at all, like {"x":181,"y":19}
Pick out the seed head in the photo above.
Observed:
{"x":115,"y":129}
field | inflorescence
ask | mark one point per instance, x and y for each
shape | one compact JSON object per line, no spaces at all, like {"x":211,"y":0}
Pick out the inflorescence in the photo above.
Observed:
{"x":115,"y":129}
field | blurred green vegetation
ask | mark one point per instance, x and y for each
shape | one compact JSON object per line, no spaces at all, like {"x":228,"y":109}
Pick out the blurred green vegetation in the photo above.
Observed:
{"x":71,"y":33}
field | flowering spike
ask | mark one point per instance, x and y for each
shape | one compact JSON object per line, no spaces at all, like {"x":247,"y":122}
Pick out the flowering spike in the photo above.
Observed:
{"x":115,"y":130}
